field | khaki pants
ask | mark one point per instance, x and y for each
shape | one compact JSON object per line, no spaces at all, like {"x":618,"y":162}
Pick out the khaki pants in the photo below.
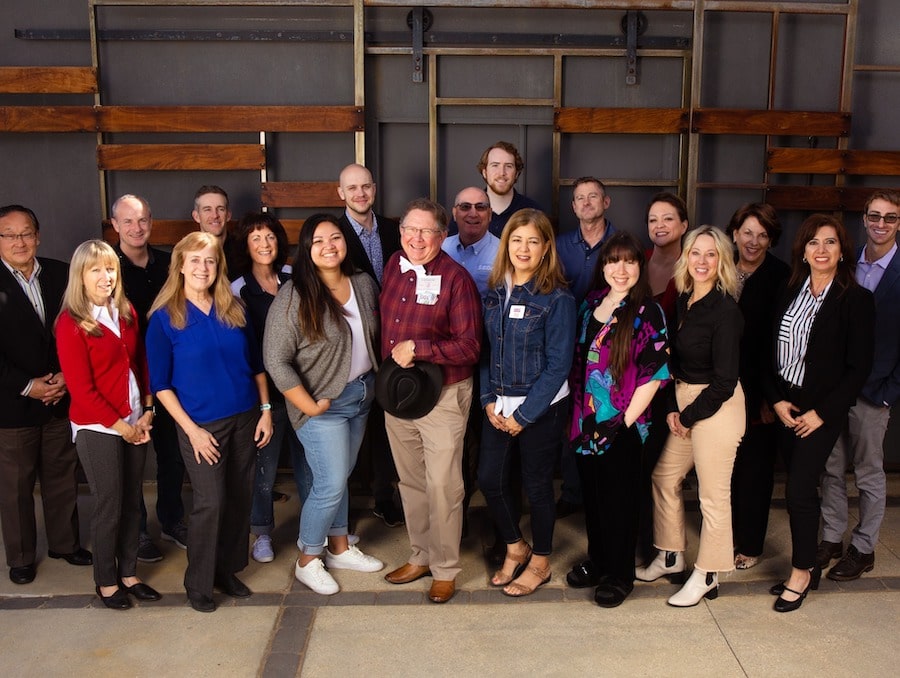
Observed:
{"x":711,"y":448}
{"x":428,"y":455}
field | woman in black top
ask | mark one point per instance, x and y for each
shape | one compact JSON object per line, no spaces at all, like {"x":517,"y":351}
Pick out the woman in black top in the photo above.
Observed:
{"x":823,"y":348}
{"x":755,"y":228}
{"x":707,"y":420}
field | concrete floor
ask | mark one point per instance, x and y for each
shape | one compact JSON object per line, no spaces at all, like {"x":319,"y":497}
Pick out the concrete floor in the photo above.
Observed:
{"x":57,"y":627}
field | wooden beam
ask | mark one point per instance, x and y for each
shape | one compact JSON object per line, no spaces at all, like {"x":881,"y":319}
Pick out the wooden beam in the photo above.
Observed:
{"x":833,"y":161}
{"x":620,"y":120}
{"x":232,"y":118}
{"x":301,"y":194}
{"x":819,"y":198}
{"x":181,"y":157}
{"x":769,"y":123}
{"x":48,"y":80}
{"x":47,"y":119}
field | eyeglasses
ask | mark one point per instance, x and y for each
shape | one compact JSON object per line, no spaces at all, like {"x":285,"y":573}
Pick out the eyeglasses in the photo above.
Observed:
{"x":466,"y":206}
{"x":29,"y":237}
{"x":889,"y":219}
{"x":416,"y":232}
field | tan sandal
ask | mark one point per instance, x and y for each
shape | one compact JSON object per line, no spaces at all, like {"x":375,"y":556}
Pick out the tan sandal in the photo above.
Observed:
{"x":742,"y":562}
{"x":517,"y":589}
{"x":521,"y":560}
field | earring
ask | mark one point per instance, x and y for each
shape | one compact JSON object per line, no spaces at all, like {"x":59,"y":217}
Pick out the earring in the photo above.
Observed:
{"x":842,"y":257}
{"x":804,"y":260}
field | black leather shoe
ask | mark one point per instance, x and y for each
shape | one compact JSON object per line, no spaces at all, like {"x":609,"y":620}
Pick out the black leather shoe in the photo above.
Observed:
{"x":141,"y":591}
{"x":582,"y":576}
{"x":232,"y":586}
{"x":852,"y":566}
{"x":116,"y":601}
{"x":828,"y":551}
{"x":816,"y":577}
{"x":611,"y":593}
{"x":80,"y":557}
{"x":22,"y":575}
{"x":201,"y":602}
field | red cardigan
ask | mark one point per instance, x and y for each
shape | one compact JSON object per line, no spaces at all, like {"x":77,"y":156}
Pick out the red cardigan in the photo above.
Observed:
{"x":96,"y":370}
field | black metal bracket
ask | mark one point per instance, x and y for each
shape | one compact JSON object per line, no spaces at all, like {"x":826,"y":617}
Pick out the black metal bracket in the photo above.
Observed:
{"x":419,"y":20}
{"x":633,"y":25}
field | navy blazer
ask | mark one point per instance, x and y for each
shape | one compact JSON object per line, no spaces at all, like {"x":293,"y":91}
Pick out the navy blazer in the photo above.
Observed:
{"x":27,"y":346}
{"x":883,"y":385}
{"x":388,"y":233}
{"x":838,"y":353}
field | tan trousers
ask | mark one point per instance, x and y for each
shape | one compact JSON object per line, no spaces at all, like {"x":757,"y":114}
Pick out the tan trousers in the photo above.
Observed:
{"x":711,"y":448}
{"x":428,"y":455}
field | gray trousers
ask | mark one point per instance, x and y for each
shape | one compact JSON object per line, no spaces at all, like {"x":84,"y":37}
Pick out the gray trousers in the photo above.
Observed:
{"x":219,"y":524}
{"x":862,"y":443}
{"x":114,"y":471}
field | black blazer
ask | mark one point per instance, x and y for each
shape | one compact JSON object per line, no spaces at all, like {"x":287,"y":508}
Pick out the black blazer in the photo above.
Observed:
{"x":838,"y":354}
{"x":756,"y":303}
{"x":388,"y":233}
{"x":883,"y":385}
{"x":28,"y":347}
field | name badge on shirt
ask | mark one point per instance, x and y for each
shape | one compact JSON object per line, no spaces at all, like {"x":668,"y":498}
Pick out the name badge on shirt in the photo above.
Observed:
{"x":517,"y":311}
{"x":428,"y":287}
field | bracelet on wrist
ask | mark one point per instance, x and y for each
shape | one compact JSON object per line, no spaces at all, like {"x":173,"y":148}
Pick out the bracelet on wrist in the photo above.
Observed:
{"x":151,"y":409}
{"x":265,"y":407}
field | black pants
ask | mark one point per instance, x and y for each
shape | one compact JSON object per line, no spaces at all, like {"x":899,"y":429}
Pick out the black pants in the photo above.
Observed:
{"x":219,"y":527}
{"x":114,"y":471}
{"x":751,"y":487}
{"x":610,"y":485}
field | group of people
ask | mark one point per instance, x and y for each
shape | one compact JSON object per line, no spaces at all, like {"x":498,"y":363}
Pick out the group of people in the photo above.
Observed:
{"x":483,"y":358}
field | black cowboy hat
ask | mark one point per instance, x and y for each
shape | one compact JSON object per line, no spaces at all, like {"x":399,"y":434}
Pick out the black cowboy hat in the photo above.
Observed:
{"x":408,"y":392}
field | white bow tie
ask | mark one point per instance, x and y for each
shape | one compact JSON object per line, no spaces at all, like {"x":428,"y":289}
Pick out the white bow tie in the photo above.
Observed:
{"x":406,"y":266}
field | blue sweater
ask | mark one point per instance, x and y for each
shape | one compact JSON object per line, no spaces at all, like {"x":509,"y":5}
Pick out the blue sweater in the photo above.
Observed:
{"x":208,"y":365}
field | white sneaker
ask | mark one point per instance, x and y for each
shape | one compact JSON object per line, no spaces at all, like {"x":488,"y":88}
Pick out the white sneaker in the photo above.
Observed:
{"x":352,"y":559}
{"x":315,"y":576}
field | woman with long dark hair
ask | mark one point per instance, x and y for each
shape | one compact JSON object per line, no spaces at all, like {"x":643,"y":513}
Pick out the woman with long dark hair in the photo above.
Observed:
{"x":319,"y":349}
{"x":823,"y":349}
{"x":621,"y":354}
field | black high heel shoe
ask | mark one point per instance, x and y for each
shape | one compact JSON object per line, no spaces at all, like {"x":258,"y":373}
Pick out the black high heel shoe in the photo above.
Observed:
{"x":782,"y":605}
{"x":815,"y":578}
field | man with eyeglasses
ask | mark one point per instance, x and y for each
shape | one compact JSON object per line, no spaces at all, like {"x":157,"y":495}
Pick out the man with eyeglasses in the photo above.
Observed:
{"x":473,"y":247}
{"x":431,"y":311}
{"x":35,"y":436}
{"x":578,"y":249}
{"x":371,"y":240}
{"x":862,"y":442}
{"x":144,"y":271}
{"x":500,"y":166}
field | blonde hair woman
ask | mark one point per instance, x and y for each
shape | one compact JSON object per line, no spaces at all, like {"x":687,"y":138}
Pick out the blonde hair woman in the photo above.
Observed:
{"x":206,"y":369}
{"x":103,"y":362}
{"x":706,"y":421}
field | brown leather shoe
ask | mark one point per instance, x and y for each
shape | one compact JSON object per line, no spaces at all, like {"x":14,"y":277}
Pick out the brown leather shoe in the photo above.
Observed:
{"x":441,"y":590}
{"x":407,"y":573}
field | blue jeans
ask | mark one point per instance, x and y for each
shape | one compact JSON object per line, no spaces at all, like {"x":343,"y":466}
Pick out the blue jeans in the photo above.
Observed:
{"x":331,"y":441}
{"x":537,"y":447}
{"x":262,"y":517}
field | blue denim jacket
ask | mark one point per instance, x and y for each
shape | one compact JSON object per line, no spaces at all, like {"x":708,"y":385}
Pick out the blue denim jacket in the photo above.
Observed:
{"x":529,"y":356}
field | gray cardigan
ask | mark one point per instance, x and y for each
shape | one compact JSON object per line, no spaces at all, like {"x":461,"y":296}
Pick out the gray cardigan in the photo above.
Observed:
{"x":321,"y":367}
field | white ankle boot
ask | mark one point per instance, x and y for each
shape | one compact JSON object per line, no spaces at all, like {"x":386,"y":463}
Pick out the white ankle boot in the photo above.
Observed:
{"x":666,"y":564}
{"x":699,"y":585}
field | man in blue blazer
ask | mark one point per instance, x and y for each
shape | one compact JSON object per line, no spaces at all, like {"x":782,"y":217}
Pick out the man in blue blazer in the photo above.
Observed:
{"x":862,"y":444}
{"x":35,"y":436}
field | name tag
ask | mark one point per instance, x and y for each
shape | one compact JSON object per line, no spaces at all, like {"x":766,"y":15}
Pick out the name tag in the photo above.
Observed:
{"x":517,"y":311}
{"x":428,"y":284}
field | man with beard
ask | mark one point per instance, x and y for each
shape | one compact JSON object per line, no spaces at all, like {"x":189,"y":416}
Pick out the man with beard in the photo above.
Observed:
{"x":500,"y":166}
